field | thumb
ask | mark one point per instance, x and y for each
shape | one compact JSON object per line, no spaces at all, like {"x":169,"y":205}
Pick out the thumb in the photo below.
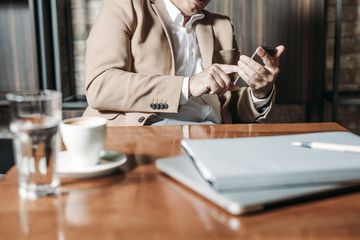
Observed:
{"x":279,"y":50}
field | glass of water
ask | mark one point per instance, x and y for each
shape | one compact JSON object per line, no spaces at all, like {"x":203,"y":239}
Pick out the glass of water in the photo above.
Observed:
{"x":34,"y":119}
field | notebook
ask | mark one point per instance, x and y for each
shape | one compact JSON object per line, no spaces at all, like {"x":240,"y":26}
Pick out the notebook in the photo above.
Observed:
{"x":252,"y":162}
{"x":244,"y":201}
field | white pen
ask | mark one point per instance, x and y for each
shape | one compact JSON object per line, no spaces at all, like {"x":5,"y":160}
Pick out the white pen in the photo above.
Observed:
{"x":328,"y":146}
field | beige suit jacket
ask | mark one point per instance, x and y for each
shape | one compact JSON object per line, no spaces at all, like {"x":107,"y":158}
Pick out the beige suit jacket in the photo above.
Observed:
{"x":129,"y":64}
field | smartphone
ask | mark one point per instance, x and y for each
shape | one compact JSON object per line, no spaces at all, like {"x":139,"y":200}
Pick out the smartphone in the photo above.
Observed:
{"x":271,"y":51}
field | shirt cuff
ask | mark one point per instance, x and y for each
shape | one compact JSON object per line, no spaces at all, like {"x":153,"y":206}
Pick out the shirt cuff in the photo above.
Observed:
{"x":260,"y":103}
{"x":184,"y":91}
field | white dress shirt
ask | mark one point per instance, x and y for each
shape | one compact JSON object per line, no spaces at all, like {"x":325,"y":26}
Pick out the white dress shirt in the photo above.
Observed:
{"x":188,"y":62}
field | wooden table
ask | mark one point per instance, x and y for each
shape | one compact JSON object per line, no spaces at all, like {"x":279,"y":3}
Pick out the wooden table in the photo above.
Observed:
{"x":140,"y":202}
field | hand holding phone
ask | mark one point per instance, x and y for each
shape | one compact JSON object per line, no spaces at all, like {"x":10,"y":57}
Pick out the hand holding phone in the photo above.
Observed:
{"x":271,"y":51}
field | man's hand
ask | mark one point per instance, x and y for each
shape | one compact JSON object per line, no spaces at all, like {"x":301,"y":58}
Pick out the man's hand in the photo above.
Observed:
{"x":213,"y":80}
{"x":260,"y":78}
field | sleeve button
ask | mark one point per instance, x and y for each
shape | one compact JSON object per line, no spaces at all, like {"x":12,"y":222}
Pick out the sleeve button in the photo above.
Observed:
{"x":141,"y":119}
{"x":152,"y":106}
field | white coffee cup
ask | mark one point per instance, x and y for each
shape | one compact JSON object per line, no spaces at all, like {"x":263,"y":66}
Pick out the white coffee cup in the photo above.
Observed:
{"x":84,"y":139}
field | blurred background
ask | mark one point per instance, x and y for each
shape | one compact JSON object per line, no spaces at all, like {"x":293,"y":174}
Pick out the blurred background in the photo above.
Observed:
{"x":42,"y":45}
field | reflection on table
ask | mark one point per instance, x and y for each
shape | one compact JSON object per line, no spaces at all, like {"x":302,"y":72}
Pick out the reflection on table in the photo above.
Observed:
{"x":140,"y":202}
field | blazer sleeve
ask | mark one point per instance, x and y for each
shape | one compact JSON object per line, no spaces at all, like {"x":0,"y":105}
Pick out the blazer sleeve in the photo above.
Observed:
{"x":111,"y":81}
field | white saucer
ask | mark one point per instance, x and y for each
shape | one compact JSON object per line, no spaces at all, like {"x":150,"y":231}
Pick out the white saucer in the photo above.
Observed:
{"x":110,"y":160}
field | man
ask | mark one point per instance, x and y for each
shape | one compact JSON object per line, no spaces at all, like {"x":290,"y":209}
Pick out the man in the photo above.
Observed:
{"x":169,"y":62}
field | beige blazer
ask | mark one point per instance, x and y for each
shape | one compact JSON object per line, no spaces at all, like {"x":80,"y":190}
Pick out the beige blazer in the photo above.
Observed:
{"x":129,"y":64}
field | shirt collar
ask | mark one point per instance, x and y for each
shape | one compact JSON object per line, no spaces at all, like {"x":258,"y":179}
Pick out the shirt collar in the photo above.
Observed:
{"x":177,"y":18}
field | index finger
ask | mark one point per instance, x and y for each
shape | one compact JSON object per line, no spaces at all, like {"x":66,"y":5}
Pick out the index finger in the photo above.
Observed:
{"x":228,"y":69}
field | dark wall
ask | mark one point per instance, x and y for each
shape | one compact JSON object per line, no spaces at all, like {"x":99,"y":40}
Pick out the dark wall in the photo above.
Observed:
{"x":299,"y":25}
{"x":18,"y":64}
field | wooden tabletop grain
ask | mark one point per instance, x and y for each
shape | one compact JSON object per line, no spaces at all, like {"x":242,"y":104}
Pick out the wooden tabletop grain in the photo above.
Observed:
{"x":140,"y":202}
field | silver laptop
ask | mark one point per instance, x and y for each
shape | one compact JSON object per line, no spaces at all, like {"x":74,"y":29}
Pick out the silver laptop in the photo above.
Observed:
{"x":242,"y":201}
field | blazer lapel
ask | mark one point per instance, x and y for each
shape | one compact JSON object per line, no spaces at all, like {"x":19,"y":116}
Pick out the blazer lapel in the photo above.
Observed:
{"x":205,"y":38}
{"x":160,"y":9}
